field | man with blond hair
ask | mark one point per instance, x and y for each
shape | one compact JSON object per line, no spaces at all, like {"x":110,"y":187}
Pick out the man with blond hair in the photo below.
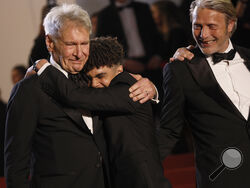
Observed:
{"x":211,"y":93}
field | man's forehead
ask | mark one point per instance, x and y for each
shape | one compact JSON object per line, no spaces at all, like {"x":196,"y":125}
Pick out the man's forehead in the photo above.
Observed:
{"x":70,"y":27}
{"x":205,"y":13}
{"x":101,"y":70}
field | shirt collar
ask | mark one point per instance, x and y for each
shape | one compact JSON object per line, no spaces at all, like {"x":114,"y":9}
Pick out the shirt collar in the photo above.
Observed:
{"x":230,"y":47}
{"x":56,"y":65}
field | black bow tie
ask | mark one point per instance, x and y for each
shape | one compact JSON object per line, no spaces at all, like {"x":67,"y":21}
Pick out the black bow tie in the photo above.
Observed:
{"x":78,"y":79}
{"x":125,"y":6}
{"x":217,"y":57}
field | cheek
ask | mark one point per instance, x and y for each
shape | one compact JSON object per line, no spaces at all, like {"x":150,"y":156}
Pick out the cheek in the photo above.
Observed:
{"x":86,"y":50}
{"x":67,"y":52}
{"x":104,"y":82}
{"x":196,"y":33}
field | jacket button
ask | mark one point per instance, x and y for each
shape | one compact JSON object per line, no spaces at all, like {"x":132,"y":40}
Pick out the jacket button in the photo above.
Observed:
{"x":98,"y":165}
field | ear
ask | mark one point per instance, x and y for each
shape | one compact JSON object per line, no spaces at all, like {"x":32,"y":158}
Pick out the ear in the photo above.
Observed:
{"x":119,"y":69}
{"x":49,"y":43}
{"x":231,"y":25}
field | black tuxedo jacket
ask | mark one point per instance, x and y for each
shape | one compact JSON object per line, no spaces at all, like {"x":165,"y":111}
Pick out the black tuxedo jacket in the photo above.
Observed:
{"x":193,"y":96}
{"x":109,"y":24}
{"x":50,"y":143}
{"x":128,"y":127}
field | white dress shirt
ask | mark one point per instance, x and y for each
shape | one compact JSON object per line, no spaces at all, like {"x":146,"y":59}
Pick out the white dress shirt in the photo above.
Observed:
{"x":234,"y":78}
{"x":130,"y":26}
{"x":87,"y":119}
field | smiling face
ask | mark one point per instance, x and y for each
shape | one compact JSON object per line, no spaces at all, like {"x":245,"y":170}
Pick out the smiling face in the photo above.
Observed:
{"x":102,"y":76}
{"x":210,"y":30}
{"x":71,"y":48}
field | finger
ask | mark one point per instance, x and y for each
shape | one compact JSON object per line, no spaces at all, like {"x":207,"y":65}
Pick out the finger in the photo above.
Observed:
{"x":135,"y":92}
{"x":190,"y":47}
{"x":141,"y":96}
{"x":145,"y":99}
{"x":136,"y":76}
{"x":134,"y":87}
{"x":171,"y":59}
{"x":179,"y":57}
{"x":189,"y":55}
{"x":151,"y":94}
{"x":40,"y":63}
{"x":29,"y":73}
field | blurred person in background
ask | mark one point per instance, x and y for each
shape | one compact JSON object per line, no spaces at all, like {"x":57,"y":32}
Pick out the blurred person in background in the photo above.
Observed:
{"x":94,"y":22}
{"x":168,"y":20}
{"x":2,"y":129}
{"x":241,"y":36}
{"x":39,"y":49}
{"x":132,"y":23}
{"x":17,"y":73}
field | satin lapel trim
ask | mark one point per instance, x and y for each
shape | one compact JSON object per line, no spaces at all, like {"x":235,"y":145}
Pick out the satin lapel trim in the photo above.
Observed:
{"x":244,"y":54}
{"x":77,"y":118}
{"x":205,"y":78}
{"x":74,"y":115}
{"x":95,"y":123}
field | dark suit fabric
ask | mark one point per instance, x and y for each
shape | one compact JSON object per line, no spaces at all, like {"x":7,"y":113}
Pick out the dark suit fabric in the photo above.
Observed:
{"x":109,"y":24}
{"x":2,"y":130}
{"x":128,"y":127}
{"x":49,"y":143}
{"x":193,"y":96}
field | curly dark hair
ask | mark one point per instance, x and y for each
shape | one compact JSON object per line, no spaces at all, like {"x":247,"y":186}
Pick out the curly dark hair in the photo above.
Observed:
{"x":104,"y":51}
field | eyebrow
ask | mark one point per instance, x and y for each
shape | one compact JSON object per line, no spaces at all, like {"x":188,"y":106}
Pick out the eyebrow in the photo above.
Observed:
{"x":100,"y":74}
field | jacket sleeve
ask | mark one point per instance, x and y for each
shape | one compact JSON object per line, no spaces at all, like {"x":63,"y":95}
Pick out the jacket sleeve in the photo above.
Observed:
{"x":172,"y":114}
{"x":112,"y":99}
{"x":20,"y":125}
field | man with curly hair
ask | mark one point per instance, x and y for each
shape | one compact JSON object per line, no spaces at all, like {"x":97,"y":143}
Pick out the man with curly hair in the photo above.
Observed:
{"x":132,"y":147}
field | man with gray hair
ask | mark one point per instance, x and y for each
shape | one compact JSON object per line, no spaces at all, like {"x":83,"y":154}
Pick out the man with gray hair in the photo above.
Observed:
{"x":46,"y":144}
{"x":211,"y":93}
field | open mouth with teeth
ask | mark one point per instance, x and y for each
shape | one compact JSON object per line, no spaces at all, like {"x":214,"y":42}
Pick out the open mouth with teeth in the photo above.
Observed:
{"x":205,"y":44}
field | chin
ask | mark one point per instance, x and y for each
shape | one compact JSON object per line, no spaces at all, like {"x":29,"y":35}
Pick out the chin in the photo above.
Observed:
{"x":78,"y":68}
{"x":207,"y":51}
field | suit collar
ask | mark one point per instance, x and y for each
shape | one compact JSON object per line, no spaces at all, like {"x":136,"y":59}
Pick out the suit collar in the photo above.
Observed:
{"x":74,"y":115}
{"x":57,"y":66}
{"x":77,"y":118}
{"x":244,"y":54}
{"x":123,"y":77}
{"x":205,"y":78}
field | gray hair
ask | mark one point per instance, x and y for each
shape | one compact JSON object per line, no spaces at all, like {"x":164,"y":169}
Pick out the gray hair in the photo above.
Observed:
{"x":57,"y":17}
{"x":223,"y":6}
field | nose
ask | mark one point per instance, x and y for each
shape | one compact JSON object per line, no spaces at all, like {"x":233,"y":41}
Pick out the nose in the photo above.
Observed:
{"x":204,"y":32}
{"x":78,"y":51}
{"x":95,"y":83}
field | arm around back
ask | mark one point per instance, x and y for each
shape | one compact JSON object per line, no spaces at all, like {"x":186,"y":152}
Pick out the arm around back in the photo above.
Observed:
{"x":112,"y":99}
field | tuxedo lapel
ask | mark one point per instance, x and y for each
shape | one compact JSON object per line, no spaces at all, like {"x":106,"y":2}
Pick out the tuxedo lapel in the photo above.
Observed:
{"x":96,"y":127}
{"x":244,"y":54}
{"x":77,"y":118}
{"x":74,"y":115}
{"x":205,"y":78}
